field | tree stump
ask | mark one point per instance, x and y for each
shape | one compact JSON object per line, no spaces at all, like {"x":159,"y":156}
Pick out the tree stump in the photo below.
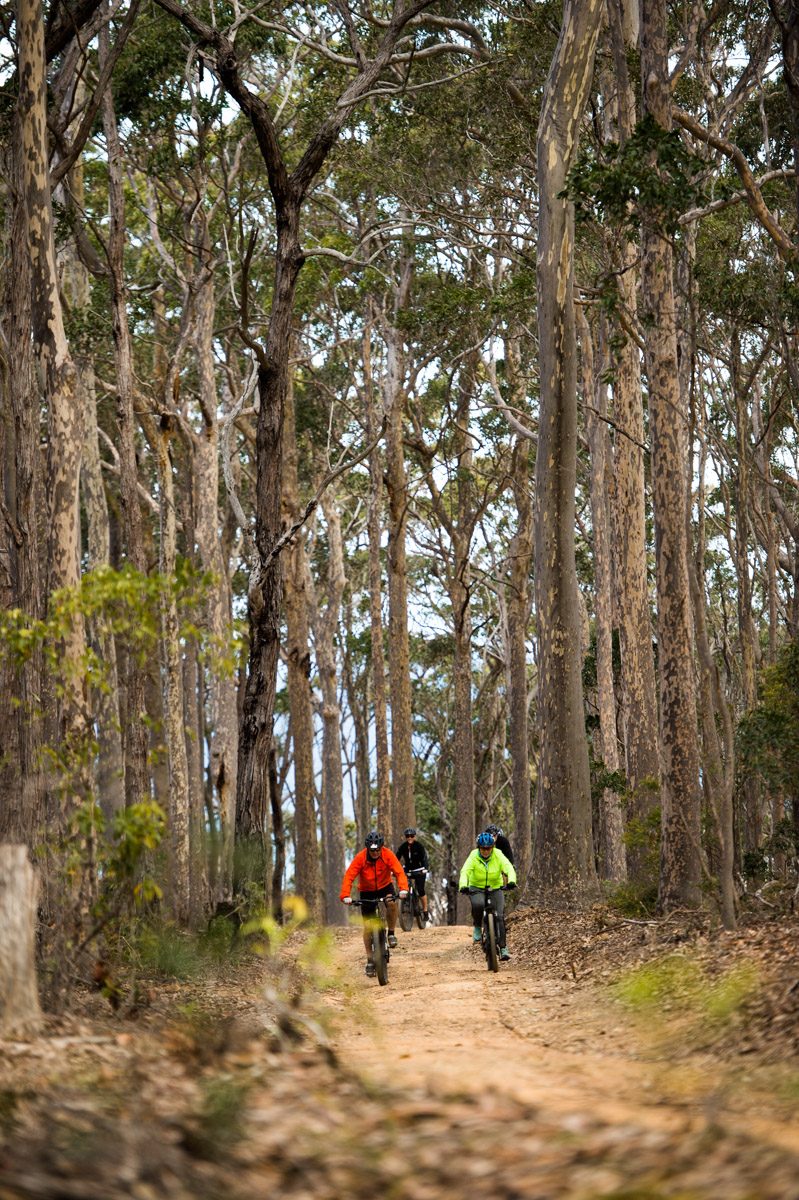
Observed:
{"x":20,"y":1015}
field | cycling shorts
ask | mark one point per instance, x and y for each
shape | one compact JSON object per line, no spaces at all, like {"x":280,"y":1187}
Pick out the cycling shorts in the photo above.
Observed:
{"x":369,"y":900}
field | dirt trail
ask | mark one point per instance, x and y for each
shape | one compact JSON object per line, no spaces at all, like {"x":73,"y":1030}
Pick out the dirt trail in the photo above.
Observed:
{"x":446,"y":1022}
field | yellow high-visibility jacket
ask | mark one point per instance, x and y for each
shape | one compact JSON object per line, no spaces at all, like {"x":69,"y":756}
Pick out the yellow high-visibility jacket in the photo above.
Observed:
{"x":481,"y":872}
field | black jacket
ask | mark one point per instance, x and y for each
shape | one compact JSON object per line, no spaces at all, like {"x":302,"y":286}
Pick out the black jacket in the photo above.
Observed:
{"x":503,"y":844}
{"x":412,"y":856}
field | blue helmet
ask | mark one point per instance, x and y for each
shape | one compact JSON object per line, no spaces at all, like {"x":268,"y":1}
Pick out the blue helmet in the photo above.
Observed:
{"x":484,"y":840}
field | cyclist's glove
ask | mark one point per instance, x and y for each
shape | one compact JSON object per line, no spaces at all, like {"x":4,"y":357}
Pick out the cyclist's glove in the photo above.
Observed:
{"x":403,"y":895}
{"x":510,"y":886}
{"x":348,"y":899}
{"x":464,"y":891}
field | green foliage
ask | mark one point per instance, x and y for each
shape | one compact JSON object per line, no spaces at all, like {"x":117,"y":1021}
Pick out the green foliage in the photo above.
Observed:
{"x":219,"y":1122}
{"x":768,"y":737}
{"x":642,"y":835}
{"x":164,"y":952}
{"x":678,"y":985}
{"x":653,"y":173}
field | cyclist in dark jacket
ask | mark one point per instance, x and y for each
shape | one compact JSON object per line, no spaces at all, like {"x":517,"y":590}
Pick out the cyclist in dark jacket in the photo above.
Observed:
{"x":413,"y":857}
{"x":500,"y":841}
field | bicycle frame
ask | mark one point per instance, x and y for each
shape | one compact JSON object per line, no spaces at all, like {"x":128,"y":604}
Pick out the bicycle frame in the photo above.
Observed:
{"x":489,"y":939}
{"x":411,"y":906}
{"x":379,"y":927}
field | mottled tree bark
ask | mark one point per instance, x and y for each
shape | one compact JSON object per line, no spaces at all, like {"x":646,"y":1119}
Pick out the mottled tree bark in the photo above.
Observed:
{"x":378,"y":658}
{"x":135,"y":731}
{"x":298,"y":590}
{"x":223,"y":757}
{"x":179,"y":800}
{"x":612,"y":858}
{"x":109,"y":768}
{"x":517,"y":602}
{"x":679,"y":749}
{"x":65,"y":418}
{"x":325,"y":627}
{"x":358,"y":703}
{"x":632,"y":593}
{"x":403,"y":807}
{"x":563,"y":862}
{"x":21,"y":776}
{"x":20,"y":1015}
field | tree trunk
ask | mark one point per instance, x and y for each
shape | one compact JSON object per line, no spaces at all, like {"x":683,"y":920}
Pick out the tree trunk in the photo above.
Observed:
{"x":298,"y":590}
{"x":135,"y":729}
{"x":517,"y":600}
{"x":223,"y":758}
{"x":402,"y":804}
{"x":279,"y":832}
{"x":325,"y":627}
{"x":358,"y":703}
{"x":67,"y":723}
{"x":563,"y":862}
{"x":378,"y":661}
{"x":638,"y":683}
{"x":459,"y":588}
{"x":179,"y":801}
{"x":20,"y":1015}
{"x":109,"y":770}
{"x":752,"y":791}
{"x":679,"y":750}
{"x":22,"y":801}
{"x":613,"y":863}
{"x":266,"y":585}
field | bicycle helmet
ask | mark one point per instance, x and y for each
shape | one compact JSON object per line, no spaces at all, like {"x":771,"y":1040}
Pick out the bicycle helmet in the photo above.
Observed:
{"x":495,"y":829}
{"x":409,"y":832}
{"x":373,"y":841}
{"x":484,"y":840}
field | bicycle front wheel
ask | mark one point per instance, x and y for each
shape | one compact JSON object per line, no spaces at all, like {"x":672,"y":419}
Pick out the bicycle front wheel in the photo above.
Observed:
{"x":418,"y":912}
{"x":406,"y":914}
{"x":490,"y":942}
{"x":380,"y":957}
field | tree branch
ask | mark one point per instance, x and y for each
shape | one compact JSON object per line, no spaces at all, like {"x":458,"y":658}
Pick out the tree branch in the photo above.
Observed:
{"x":752,"y":192}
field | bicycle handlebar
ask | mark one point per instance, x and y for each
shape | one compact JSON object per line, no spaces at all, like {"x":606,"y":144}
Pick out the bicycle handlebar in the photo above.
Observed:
{"x":359,"y":903}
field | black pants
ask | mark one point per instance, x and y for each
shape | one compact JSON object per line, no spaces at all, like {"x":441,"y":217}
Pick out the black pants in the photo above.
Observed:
{"x":477,"y":900}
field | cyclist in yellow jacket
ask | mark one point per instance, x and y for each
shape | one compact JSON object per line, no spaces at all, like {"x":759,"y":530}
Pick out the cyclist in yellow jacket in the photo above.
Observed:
{"x":487,"y":867}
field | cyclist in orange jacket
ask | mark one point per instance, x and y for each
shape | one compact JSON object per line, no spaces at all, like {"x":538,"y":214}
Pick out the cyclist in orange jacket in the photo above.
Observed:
{"x":374,"y":868}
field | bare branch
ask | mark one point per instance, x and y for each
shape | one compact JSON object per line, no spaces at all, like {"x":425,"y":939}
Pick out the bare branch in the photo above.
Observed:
{"x":752,"y":192}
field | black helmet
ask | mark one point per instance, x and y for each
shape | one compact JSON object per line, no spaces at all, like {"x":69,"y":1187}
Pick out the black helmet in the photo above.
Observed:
{"x":493,"y":830}
{"x":373,"y":841}
{"x":409,"y":832}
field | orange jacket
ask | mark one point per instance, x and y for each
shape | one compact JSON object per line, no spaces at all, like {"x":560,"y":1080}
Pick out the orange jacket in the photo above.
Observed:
{"x":373,"y":874}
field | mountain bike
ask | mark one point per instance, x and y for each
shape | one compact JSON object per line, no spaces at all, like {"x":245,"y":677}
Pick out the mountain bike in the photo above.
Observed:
{"x":411,"y":905}
{"x":489,"y":932}
{"x":379,"y":928}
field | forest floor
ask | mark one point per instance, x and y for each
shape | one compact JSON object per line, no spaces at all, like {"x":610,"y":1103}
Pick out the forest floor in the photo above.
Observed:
{"x":609,"y":1058}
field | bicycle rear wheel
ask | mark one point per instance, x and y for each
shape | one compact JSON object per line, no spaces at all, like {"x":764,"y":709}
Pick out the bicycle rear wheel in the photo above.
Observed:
{"x":381,"y":957}
{"x":406,"y":914}
{"x":490,"y":942}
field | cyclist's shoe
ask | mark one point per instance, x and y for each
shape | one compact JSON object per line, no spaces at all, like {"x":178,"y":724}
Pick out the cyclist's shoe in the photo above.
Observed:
{"x":370,"y":969}
{"x":476,"y":933}
{"x":392,"y":940}
{"x":504,"y":954}
{"x":428,"y":916}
